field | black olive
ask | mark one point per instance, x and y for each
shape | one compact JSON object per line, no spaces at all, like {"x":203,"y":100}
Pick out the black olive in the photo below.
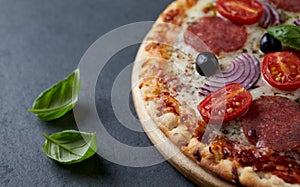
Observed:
{"x":269,"y":44}
{"x":206,"y":64}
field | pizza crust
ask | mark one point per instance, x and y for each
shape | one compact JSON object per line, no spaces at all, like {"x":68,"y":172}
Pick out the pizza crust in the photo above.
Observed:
{"x":223,"y":168}
{"x":181,"y":149}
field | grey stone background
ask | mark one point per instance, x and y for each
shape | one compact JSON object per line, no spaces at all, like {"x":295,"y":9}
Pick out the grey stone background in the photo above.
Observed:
{"x":41,"y":42}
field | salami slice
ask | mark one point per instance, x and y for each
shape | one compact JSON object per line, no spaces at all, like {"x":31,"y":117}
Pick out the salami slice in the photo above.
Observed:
{"x":273,"y":122}
{"x":289,"y":5}
{"x":218,"y":34}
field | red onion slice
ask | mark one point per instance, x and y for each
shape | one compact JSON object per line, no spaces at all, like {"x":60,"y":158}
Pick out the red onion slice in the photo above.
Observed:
{"x":270,"y":16}
{"x":297,"y":22}
{"x":245,"y":70}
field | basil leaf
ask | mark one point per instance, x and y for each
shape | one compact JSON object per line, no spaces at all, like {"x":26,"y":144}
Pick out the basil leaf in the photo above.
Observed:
{"x":287,"y":34}
{"x":70,"y":146}
{"x":57,"y":100}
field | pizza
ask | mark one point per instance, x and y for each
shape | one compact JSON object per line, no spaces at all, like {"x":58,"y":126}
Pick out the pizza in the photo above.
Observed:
{"x":220,"y":80}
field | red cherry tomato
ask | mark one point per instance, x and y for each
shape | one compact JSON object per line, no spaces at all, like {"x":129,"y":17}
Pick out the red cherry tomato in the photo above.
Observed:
{"x":226,"y":104}
{"x":282,"y":70}
{"x":240,"y":11}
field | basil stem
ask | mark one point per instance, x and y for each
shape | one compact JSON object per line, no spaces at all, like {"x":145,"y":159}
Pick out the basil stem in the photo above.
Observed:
{"x":70,"y":146}
{"x":57,"y":100}
{"x":287,"y":34}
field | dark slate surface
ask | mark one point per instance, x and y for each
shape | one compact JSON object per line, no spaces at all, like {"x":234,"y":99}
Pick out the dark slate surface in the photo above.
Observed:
{"x":42,"y":41}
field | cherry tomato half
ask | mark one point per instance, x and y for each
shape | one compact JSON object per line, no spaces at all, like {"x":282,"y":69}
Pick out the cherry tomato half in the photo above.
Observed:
{"x":227,"y":103}
{"x":282,"y":70}
{"x":240,"y":11}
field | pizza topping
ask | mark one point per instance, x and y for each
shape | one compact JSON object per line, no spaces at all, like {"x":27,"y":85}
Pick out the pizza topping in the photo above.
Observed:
{"x":292,"y":50}
{"x":240,"y":11}
{"x":197,"y":155}
{"x":210,"y":7}
{"x":282,"y":70}
{"x":281,"y":165}
{"x":269,"y":44}
{"x":289,"y":5}
{"x":273,"y":122}
{"x":199,"y":131}
{"x":174,"y":16}
{"x":218,"y":34}
{"x":206,"y":64}
{"x":159,"y":50}
{"x":245,"y":70}
{"x":270,"y":16}
{"x":168,"y":104}
{"x":297,"y":22}
{"x":225,"y":104}
{"x":287,"y":34}
{"x":190,"y":3}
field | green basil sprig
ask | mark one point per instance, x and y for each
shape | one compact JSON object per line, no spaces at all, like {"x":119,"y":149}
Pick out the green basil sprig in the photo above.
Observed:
{"x":70,"y":146}
{"x":57,"y":100}
{"x":287,"y":34}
